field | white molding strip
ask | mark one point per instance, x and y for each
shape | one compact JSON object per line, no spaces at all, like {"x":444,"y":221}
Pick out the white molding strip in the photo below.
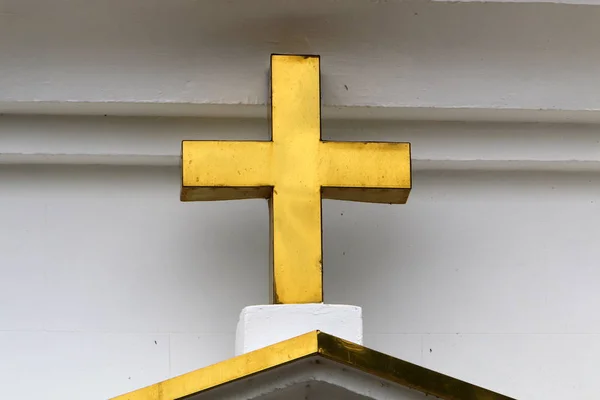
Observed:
{"x":380,"y":59}
{"x":152,"y":141}
{"x":418,"y":164}
{"x":204,"y":110}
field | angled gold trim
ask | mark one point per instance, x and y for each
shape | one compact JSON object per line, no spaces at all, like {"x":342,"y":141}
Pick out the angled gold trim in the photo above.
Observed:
{"x":401,"y":372}
{"x":314,"y":344}
{"x":229,"y":370}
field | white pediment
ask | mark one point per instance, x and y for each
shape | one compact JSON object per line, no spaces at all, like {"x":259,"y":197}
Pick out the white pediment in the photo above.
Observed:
{"x":313,"y":378}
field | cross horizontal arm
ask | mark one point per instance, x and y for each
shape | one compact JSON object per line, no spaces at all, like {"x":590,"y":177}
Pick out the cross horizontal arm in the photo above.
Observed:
{"x":373,"y":172}
{"x":226,"y":170}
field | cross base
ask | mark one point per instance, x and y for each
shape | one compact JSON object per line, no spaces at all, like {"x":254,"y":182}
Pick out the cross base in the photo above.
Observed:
{"x":261,"y":326}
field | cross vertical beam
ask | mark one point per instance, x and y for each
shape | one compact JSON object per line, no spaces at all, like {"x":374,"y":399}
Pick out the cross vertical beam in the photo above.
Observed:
{"x":296,"y":203}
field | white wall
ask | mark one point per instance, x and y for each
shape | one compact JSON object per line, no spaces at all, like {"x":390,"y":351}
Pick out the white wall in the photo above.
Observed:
{"x":383,"y":54}
{"x":110,"y":283}
{"x":490,"y":273}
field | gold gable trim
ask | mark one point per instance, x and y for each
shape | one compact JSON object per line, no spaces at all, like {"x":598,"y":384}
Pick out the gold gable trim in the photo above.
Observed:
{"x":314,"y":344}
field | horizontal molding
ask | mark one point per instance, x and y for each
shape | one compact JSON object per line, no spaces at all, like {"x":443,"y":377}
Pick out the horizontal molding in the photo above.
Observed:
{"x":379,"y":59}
{"x":151,"y":141}
{"x":507,"y":165}
{"x":418,"y":164}
{"x":205,"y":110}
{"x":89,"y":159}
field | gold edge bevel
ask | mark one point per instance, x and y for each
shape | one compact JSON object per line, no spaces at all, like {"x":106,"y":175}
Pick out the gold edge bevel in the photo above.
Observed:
{"x":401,"y":372}
{"x":229,"y":370}
{"x":224,"y":193}
{"x":322,"y":299}
{"x":410,"y":169}
{"x":182,"y":185}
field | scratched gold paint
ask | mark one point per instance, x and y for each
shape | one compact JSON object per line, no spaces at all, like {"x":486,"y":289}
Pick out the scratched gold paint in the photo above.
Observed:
{"x":295,"y":170}
{"x":314,"y":344}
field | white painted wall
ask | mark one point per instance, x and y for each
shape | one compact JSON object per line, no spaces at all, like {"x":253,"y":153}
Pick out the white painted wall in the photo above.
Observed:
{"x":490,"y":273}
{"x":389,"y":54}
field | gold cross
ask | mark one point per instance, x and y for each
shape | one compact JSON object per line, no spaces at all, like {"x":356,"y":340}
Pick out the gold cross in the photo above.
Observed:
{"x":295,"y":170}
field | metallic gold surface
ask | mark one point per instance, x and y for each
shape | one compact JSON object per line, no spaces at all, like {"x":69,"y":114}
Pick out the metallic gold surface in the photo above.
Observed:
{"x":295,"y":170}
{"x":401,"y":372}
{"x":228,"y":370}
{"x":314,"y":344}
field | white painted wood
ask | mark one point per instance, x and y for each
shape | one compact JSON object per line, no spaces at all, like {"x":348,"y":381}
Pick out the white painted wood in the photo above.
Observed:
{"x":436,"y":145}
{"x":541,"y":359}
{"x":407,"y":347}
{"x":99,"y":364}
{"x":189,"y":350}
{"x":264,"y":325}
{"x":83,"y":240}
{"x":249,"y":111}
{"x":477,"y":252}
{"x":388,"y":54}
{"x":494,"y":256}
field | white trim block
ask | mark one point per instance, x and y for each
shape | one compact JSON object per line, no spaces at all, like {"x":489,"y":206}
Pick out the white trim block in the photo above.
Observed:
{"x":261,"y":326}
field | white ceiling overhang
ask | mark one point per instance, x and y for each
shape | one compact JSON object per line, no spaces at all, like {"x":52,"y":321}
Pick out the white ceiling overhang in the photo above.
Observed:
{"x":380,"y":59}
{"x":491,"y":85}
